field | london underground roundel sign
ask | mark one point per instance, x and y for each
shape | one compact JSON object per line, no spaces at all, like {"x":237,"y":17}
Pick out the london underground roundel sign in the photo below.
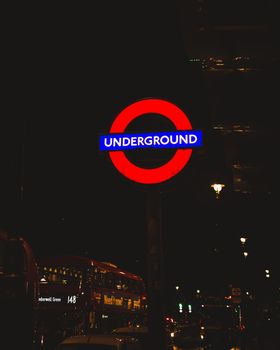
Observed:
{"x":183,"y":139}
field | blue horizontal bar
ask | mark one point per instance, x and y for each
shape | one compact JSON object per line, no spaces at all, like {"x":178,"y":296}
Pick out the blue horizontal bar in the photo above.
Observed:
{"x":176,"y":139}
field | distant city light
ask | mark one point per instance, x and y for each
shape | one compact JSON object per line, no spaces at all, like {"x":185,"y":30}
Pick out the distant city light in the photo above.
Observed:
{"x":243,"y":240}
{"x":177,"y":287}
{"x":217,"y":188}
{"x":180,"y":307}
{"x":245,"y":254}
{"x":197,"y":291}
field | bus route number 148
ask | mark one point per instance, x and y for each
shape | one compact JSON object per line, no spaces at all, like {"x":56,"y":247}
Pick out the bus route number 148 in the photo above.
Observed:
{"x":71,"y":299}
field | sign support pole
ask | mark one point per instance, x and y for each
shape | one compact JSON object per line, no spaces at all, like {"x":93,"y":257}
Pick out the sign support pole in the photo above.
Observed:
{"x":155,"y":275}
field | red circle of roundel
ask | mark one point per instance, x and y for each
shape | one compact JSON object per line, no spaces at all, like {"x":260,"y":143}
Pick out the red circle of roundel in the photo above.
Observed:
{"x":169,"y":169}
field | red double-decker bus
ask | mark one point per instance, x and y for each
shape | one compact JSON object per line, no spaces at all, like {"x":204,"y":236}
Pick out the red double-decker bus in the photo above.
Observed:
{"x":18,"y":291}
{"x":79,"y":295}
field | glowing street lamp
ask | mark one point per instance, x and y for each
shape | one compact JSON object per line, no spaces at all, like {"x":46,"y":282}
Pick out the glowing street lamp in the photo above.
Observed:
{"x":243,"y":240}
{"x":217,"y":188}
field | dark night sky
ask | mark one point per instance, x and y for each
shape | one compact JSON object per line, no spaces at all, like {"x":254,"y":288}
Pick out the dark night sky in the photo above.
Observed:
{"x":71,"y":71}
